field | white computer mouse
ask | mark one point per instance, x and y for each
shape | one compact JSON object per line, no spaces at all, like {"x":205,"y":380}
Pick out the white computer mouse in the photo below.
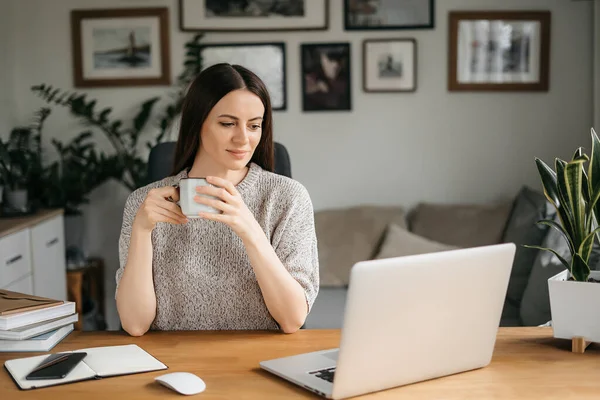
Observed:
{"x":182,"y":382}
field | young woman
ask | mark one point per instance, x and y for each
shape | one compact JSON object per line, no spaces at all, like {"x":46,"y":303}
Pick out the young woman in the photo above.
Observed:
{"x":254,"y":265}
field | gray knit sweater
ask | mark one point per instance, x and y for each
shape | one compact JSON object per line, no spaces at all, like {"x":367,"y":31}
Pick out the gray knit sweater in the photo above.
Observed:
{"x":202,"y":276}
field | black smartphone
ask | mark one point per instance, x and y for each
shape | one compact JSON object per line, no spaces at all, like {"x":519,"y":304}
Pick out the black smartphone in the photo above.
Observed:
{"x":56,"y":366}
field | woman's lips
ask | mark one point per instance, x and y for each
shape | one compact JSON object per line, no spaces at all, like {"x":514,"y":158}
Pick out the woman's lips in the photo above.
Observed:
{"x":239,"y":154}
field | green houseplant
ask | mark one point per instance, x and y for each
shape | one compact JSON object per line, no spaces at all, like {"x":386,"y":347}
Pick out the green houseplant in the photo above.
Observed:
{"x":574,"y":191}
{"x":21,"y":164}
{"x":126,"y":163}
{"x":573,"y":188}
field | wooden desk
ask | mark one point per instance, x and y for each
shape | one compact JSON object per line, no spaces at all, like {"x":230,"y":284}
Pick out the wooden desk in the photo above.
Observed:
{"x":527,"y":364}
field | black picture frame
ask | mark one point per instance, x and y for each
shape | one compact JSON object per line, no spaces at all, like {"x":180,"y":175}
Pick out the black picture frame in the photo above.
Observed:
{"x":251,"y":57}
{"x":402,"y":80}
{"x":315,"y":80}
{"x":350,"y":26}
{"x":192,"y":20}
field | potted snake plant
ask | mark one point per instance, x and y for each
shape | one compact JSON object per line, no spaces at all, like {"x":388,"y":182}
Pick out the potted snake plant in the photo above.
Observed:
{"x":573,"y":188}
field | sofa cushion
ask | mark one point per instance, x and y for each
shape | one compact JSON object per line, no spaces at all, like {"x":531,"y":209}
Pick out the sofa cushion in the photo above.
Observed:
{"x":529,"y":207}
{"x":328,"y":309}
{"x":348,"y":235}
{"x":399,"y":242}
{"x":461,"y":225}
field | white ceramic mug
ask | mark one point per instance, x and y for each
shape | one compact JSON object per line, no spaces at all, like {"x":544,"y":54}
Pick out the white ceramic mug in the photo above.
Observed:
{"x":187,"y":192}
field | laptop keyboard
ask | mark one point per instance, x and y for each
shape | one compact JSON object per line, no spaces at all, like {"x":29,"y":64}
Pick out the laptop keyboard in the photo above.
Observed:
{"x":325,"y":374}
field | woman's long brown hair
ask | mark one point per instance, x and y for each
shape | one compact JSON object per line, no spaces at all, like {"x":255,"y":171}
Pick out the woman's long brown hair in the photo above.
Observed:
{"x":210,"y":86}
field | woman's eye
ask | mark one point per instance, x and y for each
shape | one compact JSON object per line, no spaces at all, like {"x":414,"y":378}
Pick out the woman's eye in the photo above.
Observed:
{"x":255,"y":127}
{"x":227,"y":124}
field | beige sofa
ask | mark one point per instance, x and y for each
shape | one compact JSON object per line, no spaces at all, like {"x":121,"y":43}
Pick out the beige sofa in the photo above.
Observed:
{"x":348,"y":235}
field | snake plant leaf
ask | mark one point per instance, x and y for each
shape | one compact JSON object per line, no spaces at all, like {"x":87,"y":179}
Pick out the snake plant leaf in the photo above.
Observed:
{"x":564,"y":212}
{"x":593,"y":206}
{"x":585,"y":187}
{"x":560,"y":258}
{"x":594,"y":176}
{"x":585,"y":250}
{"x":580,"y":270}
{"x":594,"y":165}
{"x":559,"y":228}
{"x":580,"y":155}
{"x":549,"y":184}
{"x":573,"y":177}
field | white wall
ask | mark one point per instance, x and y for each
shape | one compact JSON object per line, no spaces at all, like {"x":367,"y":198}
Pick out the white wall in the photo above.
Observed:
{"x":431,"y":145}
{"x":393,"y":148}
{"x":7,"y":59}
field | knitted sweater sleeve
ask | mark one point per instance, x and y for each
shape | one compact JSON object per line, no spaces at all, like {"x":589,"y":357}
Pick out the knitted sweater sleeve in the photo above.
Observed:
{"x":295,"y":241}
{"x":131,"y":207}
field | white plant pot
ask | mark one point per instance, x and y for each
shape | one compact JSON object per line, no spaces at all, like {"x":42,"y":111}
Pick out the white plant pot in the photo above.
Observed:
{"x":574,"y":307}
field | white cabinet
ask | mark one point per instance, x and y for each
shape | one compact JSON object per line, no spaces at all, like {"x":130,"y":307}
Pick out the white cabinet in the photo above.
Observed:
{"x":23,"y":285}
{"x":48,"y":250}
{"x":32,"y":255}
{"x":15,"y":257}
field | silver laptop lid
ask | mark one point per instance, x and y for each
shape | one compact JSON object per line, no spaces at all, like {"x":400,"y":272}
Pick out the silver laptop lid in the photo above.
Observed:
{"x":414,"y":318}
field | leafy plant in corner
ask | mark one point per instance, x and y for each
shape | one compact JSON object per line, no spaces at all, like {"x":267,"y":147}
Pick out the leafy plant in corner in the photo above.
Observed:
{"x":127,"y":165}
{"x":20,"y":156}
{"x":78,"y":170}
{"x":574,"y":191}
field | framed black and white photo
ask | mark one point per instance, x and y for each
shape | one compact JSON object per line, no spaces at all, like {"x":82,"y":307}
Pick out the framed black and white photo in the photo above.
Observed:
{"x":389,"y":65}
{"x":499,"y":50}
{"x":120,"y":47}
{"x":388,"y":14}
{"x":326,"y":76}
{"x":253,"y":15}
{"x":267,"y":60}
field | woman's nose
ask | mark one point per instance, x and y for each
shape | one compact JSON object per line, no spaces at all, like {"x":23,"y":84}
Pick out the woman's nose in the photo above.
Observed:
{"x":241,"y":134}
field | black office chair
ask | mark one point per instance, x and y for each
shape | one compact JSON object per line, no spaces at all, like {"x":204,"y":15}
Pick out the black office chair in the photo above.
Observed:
{"x":160,"y":161}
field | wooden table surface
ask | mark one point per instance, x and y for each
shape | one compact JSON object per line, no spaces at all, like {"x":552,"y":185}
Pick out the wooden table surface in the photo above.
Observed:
{"x":528,"y":363}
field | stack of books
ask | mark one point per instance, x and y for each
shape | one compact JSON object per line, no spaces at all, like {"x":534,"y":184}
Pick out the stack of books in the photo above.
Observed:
{"x":33,"y":323}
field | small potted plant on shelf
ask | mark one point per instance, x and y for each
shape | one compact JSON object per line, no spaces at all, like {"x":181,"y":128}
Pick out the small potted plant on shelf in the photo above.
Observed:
{"x":21,"y":165}
{"x":18,"y":164}
{"x":573,"y":188}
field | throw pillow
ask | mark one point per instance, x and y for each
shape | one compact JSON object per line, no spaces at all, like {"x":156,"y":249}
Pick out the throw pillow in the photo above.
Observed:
{"x":461,"y":225}
{"x":529,"y":207}
{"x":348,"y":235}
{"x":399,"y":242}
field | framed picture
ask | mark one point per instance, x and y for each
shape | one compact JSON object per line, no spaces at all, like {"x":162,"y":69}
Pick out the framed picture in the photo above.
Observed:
{"x":326,"y":76}
{"x":120,"y":47}
{"x":253,"y":15}
{"x":267,"y":60}
{"x":499,"y":51}
{"x":388,"y":14}
{"x":389,"y":65}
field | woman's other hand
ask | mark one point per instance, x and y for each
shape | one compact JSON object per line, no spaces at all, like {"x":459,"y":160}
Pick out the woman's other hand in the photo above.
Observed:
{"x":158,"y":207}
{"x":234,"y":211}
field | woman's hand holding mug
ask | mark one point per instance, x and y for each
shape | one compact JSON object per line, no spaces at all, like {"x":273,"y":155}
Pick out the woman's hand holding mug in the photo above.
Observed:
{"x":224,"y":203}
{"x":158,"y":207}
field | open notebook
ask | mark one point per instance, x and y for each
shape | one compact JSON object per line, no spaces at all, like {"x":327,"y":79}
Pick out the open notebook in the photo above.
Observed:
{"x":100,"y":362}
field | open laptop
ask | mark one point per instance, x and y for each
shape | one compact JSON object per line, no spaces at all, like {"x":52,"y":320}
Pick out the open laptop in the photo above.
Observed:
{"x":410,"y":319}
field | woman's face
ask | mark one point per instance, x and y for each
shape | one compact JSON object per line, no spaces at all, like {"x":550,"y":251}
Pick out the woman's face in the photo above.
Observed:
{"x":232,"y":129}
